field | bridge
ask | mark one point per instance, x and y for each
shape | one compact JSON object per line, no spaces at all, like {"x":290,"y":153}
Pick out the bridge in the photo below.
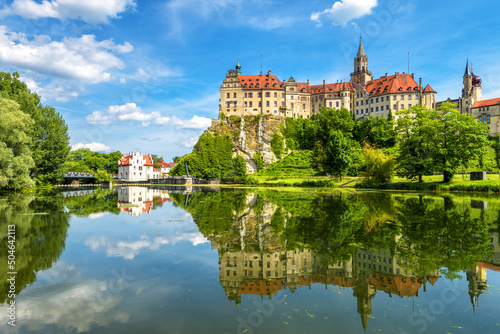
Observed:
{"x":83,"y":175}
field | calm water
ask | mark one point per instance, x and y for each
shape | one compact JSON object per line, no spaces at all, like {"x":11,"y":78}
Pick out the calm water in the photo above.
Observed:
{"x":139,"y":260}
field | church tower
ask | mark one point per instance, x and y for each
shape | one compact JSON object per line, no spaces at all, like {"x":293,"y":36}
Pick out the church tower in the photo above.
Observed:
{"x":472,"y":89}
{"x":361,"y":76}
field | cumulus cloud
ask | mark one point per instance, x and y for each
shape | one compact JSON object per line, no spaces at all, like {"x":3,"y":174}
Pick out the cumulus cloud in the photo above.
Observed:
{"x":132,"y":112}
{"x":96,"y":147}
{"x":189,"y":142}
{"x":60,"y":93}
{"x":83,"y":59}
{"x":345,"y":10}
{"x":91,"y":11}
{"x":195,"y":123}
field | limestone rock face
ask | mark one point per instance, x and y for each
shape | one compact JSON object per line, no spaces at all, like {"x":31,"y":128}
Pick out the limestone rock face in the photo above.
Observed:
{"x":250,"y":135}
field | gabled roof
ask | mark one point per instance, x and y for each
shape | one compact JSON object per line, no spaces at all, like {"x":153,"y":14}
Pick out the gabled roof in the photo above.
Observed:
{"x":486,"y":103}
{"x":428,"y":89}
{"x":126,"y":160}
{"x":398,"y":83}
{"x":163,"y":164}
{"x":261,"y":79}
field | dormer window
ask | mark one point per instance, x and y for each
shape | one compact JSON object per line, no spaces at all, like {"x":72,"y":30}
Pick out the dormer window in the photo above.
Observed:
{"x":245,"y":86}
{"x":400,"y":88}
{"x":409,"y":89}
{"x":251,"y":85}
{"x":256,"y":85}
{"x":267,"y":85}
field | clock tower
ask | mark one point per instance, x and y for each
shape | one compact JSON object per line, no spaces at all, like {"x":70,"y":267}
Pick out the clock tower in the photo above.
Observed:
{"x":361,"y":76}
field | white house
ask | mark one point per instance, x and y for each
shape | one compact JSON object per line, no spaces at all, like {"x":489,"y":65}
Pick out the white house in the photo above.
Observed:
{"x":136,"y":167}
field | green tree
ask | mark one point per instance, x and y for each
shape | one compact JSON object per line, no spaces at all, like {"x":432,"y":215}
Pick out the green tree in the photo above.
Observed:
{"x":460,"y":139}
{"x":379,"y":168}
{"x":417,"y":130}
{"x":377,"y":132}
{"x":16,"y":159}
{"x":337,"y":154}
{"x":496,"y":148}
{"x":49,"y":135}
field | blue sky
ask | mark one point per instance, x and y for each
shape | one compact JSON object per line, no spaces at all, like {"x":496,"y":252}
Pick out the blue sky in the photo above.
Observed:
{"x":134,"y":75}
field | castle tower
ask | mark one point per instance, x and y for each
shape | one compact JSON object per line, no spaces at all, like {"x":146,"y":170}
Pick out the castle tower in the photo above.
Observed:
{"x":471,"y":91}
{"x":361,"y":75}
{"x":238,"y":68}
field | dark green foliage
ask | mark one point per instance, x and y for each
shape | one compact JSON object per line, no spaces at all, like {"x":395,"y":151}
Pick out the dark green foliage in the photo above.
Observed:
{"x":277,"y":145}
{"x":259,"y":161}
{"x":337,"y":154}
{"x":296,"y":164}
{"x":211,"y":159}
{"x":49,"y":133}
{"x":376,"y":132}
{"x":85,"y":160}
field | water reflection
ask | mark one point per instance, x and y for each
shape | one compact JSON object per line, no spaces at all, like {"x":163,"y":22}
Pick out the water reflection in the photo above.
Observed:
{"x":370,"y":243}
{"x":267,"y":242}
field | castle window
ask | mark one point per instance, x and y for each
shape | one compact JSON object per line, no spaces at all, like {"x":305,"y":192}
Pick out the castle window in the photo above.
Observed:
{"x":250,"y":95}
{"x":409,"y":106}
{"x":337,"y":104}
{"x":376,"y":100}
{"x":246,"y":95}
{"x":488,"y":119}
{"x":259,"y":94}
{"x":234,"y":95}
{"x":395,"y":107}
{"x":376,"y":109}
{"x":275,"y":103}
{"x":371,"y":110}
{"x":268,"y":94}
{"x":292,"y":105}
{"x":245,"y":104}
{"x":387,"y":98}
{"x":267,"y":103}
{"x":394,"y":97}
{"x":260,"y":104}
{"x":256,"y":85}
{"x":267,"y":85}
{"x":275,"y":94}
{"x":251,"y":85}
{"x":245,"y":86}
{"x":371,"y":101}
{"x":282,"y":95}
{"x":416,"y":96}
{"x":361,"y":102}
{"x":402,"y":107}
{"x":227,"y":95}
{"x":402,"y":97}
{"x":250,"y":104}
{"x":382,"y":108}
{"x":356,"y":103}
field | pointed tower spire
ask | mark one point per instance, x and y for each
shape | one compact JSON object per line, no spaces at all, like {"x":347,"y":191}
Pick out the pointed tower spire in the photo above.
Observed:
{"x":467,"y":68}
{"x":361,"y":50}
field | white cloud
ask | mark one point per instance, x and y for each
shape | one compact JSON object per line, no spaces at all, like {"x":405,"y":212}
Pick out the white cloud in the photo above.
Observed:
{"x":83,"y":59}
{"x":195,"y":123}
{"x":189,"y":142}
{"x":132,"y":112}
{"x":52,"y":90}
{"x":150,"y":138}
{"x":91,"y":11}
{"x":98,"y":118}
{"x":345,"y":10}
{"x":96,"y":147}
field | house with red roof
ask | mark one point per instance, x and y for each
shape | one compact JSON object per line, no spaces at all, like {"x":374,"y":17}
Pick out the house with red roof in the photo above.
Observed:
{"x":135,"y":166}
{"x":364,"y":96}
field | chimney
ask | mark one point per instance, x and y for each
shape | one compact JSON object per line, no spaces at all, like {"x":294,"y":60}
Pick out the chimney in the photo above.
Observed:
{"x":324,"y":85}
{"x":413,"y":76}
{"x":308,"y":81}
{"x":269,"y":74}
{"x":420,"y":95}
{"x":261,"y":73}
{"x":386,"y":76}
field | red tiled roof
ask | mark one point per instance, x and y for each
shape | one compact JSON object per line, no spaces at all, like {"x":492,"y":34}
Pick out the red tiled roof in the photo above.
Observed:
{"x":125,"y":160}
{"x":173,"y":164}
{"x":163,"y":164}
{"x":428,"y":89}
{"x":261,"y":287}
{"x":303,"y":86}
{"x":486,"y":103}
{"x":331,"y":88}
{"x":489,"y":266}
{"x":396,"y":285}
{"x":398,"y":83}
{"x":261,"y":79}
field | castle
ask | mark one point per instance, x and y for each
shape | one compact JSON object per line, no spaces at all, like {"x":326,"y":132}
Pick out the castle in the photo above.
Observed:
{"x":363,"y":96}
{"x":486,"y":111}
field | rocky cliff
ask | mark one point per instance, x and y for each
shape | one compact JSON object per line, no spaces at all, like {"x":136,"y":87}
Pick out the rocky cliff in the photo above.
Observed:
{"x":251,"y":136}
